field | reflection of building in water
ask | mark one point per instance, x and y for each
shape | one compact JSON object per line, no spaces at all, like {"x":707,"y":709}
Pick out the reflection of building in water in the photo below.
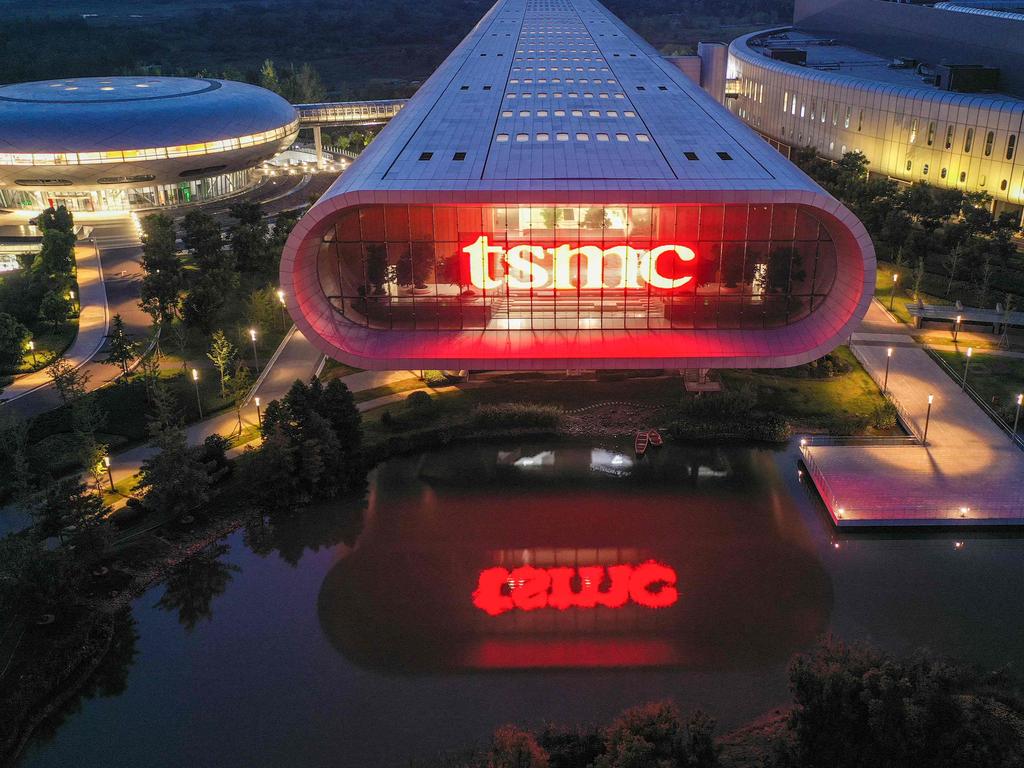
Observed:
{"x":748,"y":590}
{"x":536,"y":206}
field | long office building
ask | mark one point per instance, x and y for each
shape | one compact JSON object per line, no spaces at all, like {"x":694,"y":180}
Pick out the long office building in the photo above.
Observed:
{"x":557,"y":195}
{"x":927,"y":93}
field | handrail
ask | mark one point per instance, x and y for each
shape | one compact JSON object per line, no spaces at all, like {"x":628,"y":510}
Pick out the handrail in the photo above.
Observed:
{"x":1017,"y":439}
{"x":903,"y":413}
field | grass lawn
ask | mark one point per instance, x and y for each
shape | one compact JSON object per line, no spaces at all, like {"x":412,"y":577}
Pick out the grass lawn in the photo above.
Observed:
{"x":49,"y":344}
{"x":997,"y":380}
{"x":336,"y":370}
{"x":903,"y":298}
{"x":840,"y":404}
{"x":387,"y":389}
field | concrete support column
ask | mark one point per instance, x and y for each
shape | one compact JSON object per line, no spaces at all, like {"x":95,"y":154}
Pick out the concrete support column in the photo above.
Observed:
{"x":318,"y":141}
{"x":714,"y":65}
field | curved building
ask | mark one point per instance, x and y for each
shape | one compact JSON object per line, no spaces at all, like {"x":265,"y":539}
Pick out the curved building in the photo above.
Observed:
{"x":135,"y":142}
{"x":557,"y":195}
{"x":919,"y":108}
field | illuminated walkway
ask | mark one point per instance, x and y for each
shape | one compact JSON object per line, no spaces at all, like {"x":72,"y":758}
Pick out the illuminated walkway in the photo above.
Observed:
{"x":92,"y":325}
{"x":968,"y":474}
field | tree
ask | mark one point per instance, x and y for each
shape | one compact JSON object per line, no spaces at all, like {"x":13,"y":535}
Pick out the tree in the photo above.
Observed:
{"x":249,"y":238}
{"x":122,"y":348}
{"x":161,"y":287}
{"x":984,"y":282}
{"x":950,"y":263}
{"x":174,"y":480}
{"x":201,"y":235}
{"x":54,"y":309}
{"x":239,"y":387}
{"x":68,"y":503}
{"x":515,"y":748}
{"x":856,"y":706}
{"x":69,"y":381}
{"x":13,"y":337}
{"x":14,"y":464}
{"x":33,"y":578}
{"x":56,"y":259}
{"x":268,"y":77}
{"x":918,"y":277}
{"x":222,"y":353}
{"x":655,"y":735}
{"x":203,"y":304}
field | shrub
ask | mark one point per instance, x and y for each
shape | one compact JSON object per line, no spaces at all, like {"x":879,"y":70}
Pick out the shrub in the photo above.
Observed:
{"x":727,"y":404}
{"x":435,"y":378}
{"x":419,"y":402}
{"x":884,"y":416}
{"x":516,"y":415}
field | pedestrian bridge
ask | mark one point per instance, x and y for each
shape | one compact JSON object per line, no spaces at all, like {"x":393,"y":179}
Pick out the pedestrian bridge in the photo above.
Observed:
{"x":327,"y":114}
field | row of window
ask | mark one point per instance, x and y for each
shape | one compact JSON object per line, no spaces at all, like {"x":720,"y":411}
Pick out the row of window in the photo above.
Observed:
{"x":560,"y":94}
{"x":944,"y":172}
{"x":1009,"y":151}
{"x":560,"y":69}
{"x":568,"y":81}
{"x":581,"y":136}
{"x":561,"y":113}
{"x":152,"y":153}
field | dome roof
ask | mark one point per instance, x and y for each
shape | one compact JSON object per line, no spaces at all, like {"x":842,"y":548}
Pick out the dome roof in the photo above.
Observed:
{"x":116,"y":113}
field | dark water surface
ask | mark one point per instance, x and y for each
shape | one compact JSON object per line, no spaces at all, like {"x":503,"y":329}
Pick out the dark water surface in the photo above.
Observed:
{"x":348,"y":635}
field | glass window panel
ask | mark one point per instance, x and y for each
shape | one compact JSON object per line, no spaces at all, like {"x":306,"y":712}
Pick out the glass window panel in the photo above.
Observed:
{"x":396,"y":219}
{"x":735,"y":222}
{"x":421,"y":222}
{"x":711,"y":220}
{"x":371,"y":222}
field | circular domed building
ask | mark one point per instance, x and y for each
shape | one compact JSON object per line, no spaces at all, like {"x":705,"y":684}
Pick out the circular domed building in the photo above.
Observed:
{"x":117,"y":143}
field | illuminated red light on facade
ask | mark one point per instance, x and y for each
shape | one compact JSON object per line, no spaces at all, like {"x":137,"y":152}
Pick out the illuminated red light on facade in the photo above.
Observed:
{"x":526,"y":267}
{"x":650,"y":585}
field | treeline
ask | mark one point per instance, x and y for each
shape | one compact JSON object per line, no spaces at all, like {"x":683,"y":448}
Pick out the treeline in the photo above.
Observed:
{"x":853,"y":707}
{"x":942,"y":242}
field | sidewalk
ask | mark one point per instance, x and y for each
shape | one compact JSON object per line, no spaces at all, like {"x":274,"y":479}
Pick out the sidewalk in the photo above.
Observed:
{"x":968,"y":474}
{"x":92,"y":323}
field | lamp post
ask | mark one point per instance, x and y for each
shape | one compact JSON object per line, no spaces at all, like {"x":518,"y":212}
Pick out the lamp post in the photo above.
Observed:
{"x":1016,"y":417}
{"x":110,"y":475}
{"x":32,"y":349}
{"x":927,"y":420}
{"x":956,"y":327}
{"x":280,"y":298}
{"x":259,"y":415}
{"x":255,"y":357}
{"x":967,"y":364}
{"x":195,"y":381}
{"x":888,"y":357}
{"x":892,"y":296}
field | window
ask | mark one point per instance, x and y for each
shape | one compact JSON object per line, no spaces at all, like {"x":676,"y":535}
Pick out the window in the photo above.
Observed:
{"x":931,"y":133}
{"x":629,"y":113}
{"x":910,"y":164}
{"x":949,"y":136}
{"x":577,"y":113}
{"x":559,"y":113}
{"x":860,"y":120}
{"x":506,"y":113}
{"x":522,"y":137}
{"x":524,"y":113}
{"x":1011,"y":146}
{"x":846,"y":119}
{"x":662,"y":88}
{"x":464,"y":88}
{"x":924,"y":170}
{"x":611,"y":113}
{"x":641,"y":88}
{"x":424,"y":156}
{"x":458,"y":157}
{"x":724,"y":155}
{"x":913,"y":130}
{"x":943,"y":173}
{"x":622,"y":137}
{"x":542,"y":137}
{"x":643,"y":137}
{"x":501,"y":137}
{"x":560,"y":136}
{"x":691,"y":156}
{"x":785,"y":102}
{"x":487,"y":87}
{"x":602,"y":136}
{"x":969,"y":141}
{"x":990,"y":139}
{"x":963,"y":176}
{"x":1002,"y":185}
{"x":582,"y":137}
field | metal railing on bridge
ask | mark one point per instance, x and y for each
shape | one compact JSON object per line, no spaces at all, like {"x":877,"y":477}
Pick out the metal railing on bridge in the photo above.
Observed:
{"x":348,"y":112}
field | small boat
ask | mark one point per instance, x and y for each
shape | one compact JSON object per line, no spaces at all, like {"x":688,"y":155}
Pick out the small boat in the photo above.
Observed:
{"x":655,"y":437}
{"x":640,"y":444}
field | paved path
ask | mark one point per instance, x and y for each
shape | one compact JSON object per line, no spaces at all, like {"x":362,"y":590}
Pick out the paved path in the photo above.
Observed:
{"x":969,"y":463}
{"x":92,"y":331}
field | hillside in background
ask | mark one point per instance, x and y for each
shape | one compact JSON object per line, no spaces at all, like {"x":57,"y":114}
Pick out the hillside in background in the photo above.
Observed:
{"x":361,"y":50}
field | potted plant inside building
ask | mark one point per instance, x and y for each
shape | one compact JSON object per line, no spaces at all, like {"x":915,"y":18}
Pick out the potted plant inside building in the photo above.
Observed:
{"x":451,"y":269}
{"x":422,"y":263}
{"x":376,"y":269}
{"x":403,"y":274}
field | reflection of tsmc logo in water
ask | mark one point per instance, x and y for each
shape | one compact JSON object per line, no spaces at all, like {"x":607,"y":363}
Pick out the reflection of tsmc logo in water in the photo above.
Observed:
{"x":533,"y":266}
{"x":650,"y":584}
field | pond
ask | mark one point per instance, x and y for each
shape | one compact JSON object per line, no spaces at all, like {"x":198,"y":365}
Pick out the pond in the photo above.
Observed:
{"x":526,"y":582}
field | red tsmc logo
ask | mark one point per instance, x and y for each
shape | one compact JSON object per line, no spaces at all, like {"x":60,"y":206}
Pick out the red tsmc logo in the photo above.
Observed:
{"x":650,"y":584}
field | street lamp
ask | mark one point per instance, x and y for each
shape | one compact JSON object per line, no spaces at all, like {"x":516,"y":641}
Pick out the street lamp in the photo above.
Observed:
{"x":967,"y":364}
{"x":110,"y":475}
{"x":195,"y":381}
{"x":32,"y":349}
{"x":1016,"y":418}
{"x":259,"y":416}
{"x":927,"y":419}
{"x":956,"y":327}
{"x":888,"y":357}
{"x":280,"y":298}
{"x":892,"y":296}
{"x":256,"y":357}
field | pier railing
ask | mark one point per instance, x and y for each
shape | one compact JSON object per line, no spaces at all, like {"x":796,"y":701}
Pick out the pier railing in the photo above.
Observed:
{"x":905,"y":418}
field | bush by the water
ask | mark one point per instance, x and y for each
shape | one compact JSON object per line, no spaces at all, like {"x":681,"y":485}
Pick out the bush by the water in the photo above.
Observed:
{"x":729,"y":403}
{"x":765,"y":428}
{"x":516,"y":415}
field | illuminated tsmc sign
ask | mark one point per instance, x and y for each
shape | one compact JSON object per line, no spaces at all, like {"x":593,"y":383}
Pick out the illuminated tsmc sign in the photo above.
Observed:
{"x":593,"y":267}
{"x":650,"y":585}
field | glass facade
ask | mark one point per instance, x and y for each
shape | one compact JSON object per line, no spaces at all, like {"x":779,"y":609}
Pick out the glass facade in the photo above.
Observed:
{"x":121,"y":199}
{"x":530,"y":267}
